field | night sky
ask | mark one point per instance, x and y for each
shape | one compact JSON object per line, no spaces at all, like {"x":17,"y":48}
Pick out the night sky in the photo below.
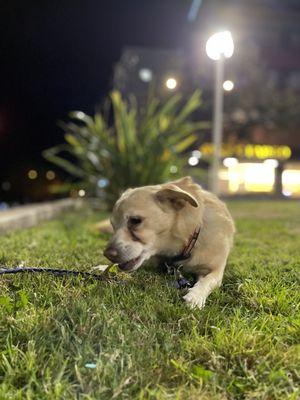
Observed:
{"x":58,"y":56}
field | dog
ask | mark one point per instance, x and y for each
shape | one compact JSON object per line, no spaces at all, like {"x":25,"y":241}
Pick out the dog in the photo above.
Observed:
{"x":174,"y":221}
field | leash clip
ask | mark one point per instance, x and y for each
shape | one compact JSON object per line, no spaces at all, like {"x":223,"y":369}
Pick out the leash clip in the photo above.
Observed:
{"x":180,"y":281}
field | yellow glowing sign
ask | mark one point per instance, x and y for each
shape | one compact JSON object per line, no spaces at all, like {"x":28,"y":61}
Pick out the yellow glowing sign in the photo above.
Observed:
{"x":249,"y":151}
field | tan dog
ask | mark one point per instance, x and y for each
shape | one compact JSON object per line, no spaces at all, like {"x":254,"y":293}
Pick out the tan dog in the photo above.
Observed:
{"x":159,"y":220}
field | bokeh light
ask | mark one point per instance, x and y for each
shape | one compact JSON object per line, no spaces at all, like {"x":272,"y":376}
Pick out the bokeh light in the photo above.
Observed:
{"x":171,"y":83}
{"x":228,"y":85}
{"x":32,"y":174}
{"x":193,"y":161}
{"x":50,"y":175}
{"x":145,"y":74}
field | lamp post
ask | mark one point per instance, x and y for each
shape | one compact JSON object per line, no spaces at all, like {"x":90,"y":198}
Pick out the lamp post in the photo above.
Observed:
{"x":218,"y":47}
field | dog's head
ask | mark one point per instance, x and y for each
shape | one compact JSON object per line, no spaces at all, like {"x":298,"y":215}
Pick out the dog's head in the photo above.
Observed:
{"x":143,"y":221}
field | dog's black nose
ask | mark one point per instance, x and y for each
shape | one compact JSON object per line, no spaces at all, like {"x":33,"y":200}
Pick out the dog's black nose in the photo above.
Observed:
{"x":111,"y":253}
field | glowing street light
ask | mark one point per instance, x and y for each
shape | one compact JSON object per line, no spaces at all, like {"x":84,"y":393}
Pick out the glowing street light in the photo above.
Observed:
{"x":218,"y":47}
{"x":171,"y":83}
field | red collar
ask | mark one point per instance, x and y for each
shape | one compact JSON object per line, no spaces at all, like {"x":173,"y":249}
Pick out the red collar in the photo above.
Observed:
{"x":187,"y":250}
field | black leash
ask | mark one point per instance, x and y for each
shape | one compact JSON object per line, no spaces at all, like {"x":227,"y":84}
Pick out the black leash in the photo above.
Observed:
{"x":180,"y":281}
{"x":54,"y":271}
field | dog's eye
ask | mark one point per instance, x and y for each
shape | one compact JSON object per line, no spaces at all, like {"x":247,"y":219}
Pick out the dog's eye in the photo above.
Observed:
{"x":134,"y":221}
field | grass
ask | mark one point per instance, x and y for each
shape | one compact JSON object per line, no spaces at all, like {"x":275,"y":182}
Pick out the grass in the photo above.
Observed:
{"x":144,"y":341}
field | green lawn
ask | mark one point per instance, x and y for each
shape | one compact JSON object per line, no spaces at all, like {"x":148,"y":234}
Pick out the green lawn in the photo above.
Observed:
{"x":145,"y":342}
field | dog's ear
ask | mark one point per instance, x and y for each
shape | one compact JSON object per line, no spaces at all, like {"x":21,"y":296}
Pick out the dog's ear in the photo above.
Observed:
{"x":186,"y":180}
{"x":176,"y":197}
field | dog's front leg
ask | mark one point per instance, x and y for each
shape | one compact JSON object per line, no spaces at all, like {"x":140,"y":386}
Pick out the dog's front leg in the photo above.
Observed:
{"x":197,"y":295}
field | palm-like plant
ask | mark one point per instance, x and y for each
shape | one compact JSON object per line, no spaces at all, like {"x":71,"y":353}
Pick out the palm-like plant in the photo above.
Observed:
{"x":140,"y":147}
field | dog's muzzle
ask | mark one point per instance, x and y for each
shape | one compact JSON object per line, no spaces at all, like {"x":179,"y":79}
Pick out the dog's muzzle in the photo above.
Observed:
{"x":113,"y":255}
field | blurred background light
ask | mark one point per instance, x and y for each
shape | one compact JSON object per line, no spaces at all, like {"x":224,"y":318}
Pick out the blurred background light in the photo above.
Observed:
{"x":102,"y":183}
{"x":50,"y":175}
{"x":291,"y":181}
{"x":228,"y":85}
{"x":32,"y":174}
{"x":81,"y":193}
{"x":145,"y":74}
{"x":230,"y":162}
{"x":272,"y":162}
{"x":79,"y":114}
{"x":196,"y":153}
{"x":173,"y":169}
{"x":193,"y":161}
{"x":171,"y":83}
{"x":286,"y":192}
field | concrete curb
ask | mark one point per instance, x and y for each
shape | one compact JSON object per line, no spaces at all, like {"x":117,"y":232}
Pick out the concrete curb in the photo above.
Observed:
{"x":30,"y":215}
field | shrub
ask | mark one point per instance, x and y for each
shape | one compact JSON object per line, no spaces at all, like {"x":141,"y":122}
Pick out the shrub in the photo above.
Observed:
{"x":139,"y":147}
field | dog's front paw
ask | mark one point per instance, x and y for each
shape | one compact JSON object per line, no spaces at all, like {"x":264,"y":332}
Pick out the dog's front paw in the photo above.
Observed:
{"x":194,"y":300}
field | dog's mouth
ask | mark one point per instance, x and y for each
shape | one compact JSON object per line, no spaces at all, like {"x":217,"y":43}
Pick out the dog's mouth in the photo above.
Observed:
{"x":131,"y":264}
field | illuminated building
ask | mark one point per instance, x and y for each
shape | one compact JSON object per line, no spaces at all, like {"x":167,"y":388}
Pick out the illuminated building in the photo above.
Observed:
{"x":257,"y":169}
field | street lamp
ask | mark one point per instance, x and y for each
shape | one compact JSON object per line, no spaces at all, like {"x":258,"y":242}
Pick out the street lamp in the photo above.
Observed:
{"x":218,"y":47}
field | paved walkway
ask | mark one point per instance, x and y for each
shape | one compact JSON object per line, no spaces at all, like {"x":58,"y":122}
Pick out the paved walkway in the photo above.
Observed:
{"x":30,"y":215}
